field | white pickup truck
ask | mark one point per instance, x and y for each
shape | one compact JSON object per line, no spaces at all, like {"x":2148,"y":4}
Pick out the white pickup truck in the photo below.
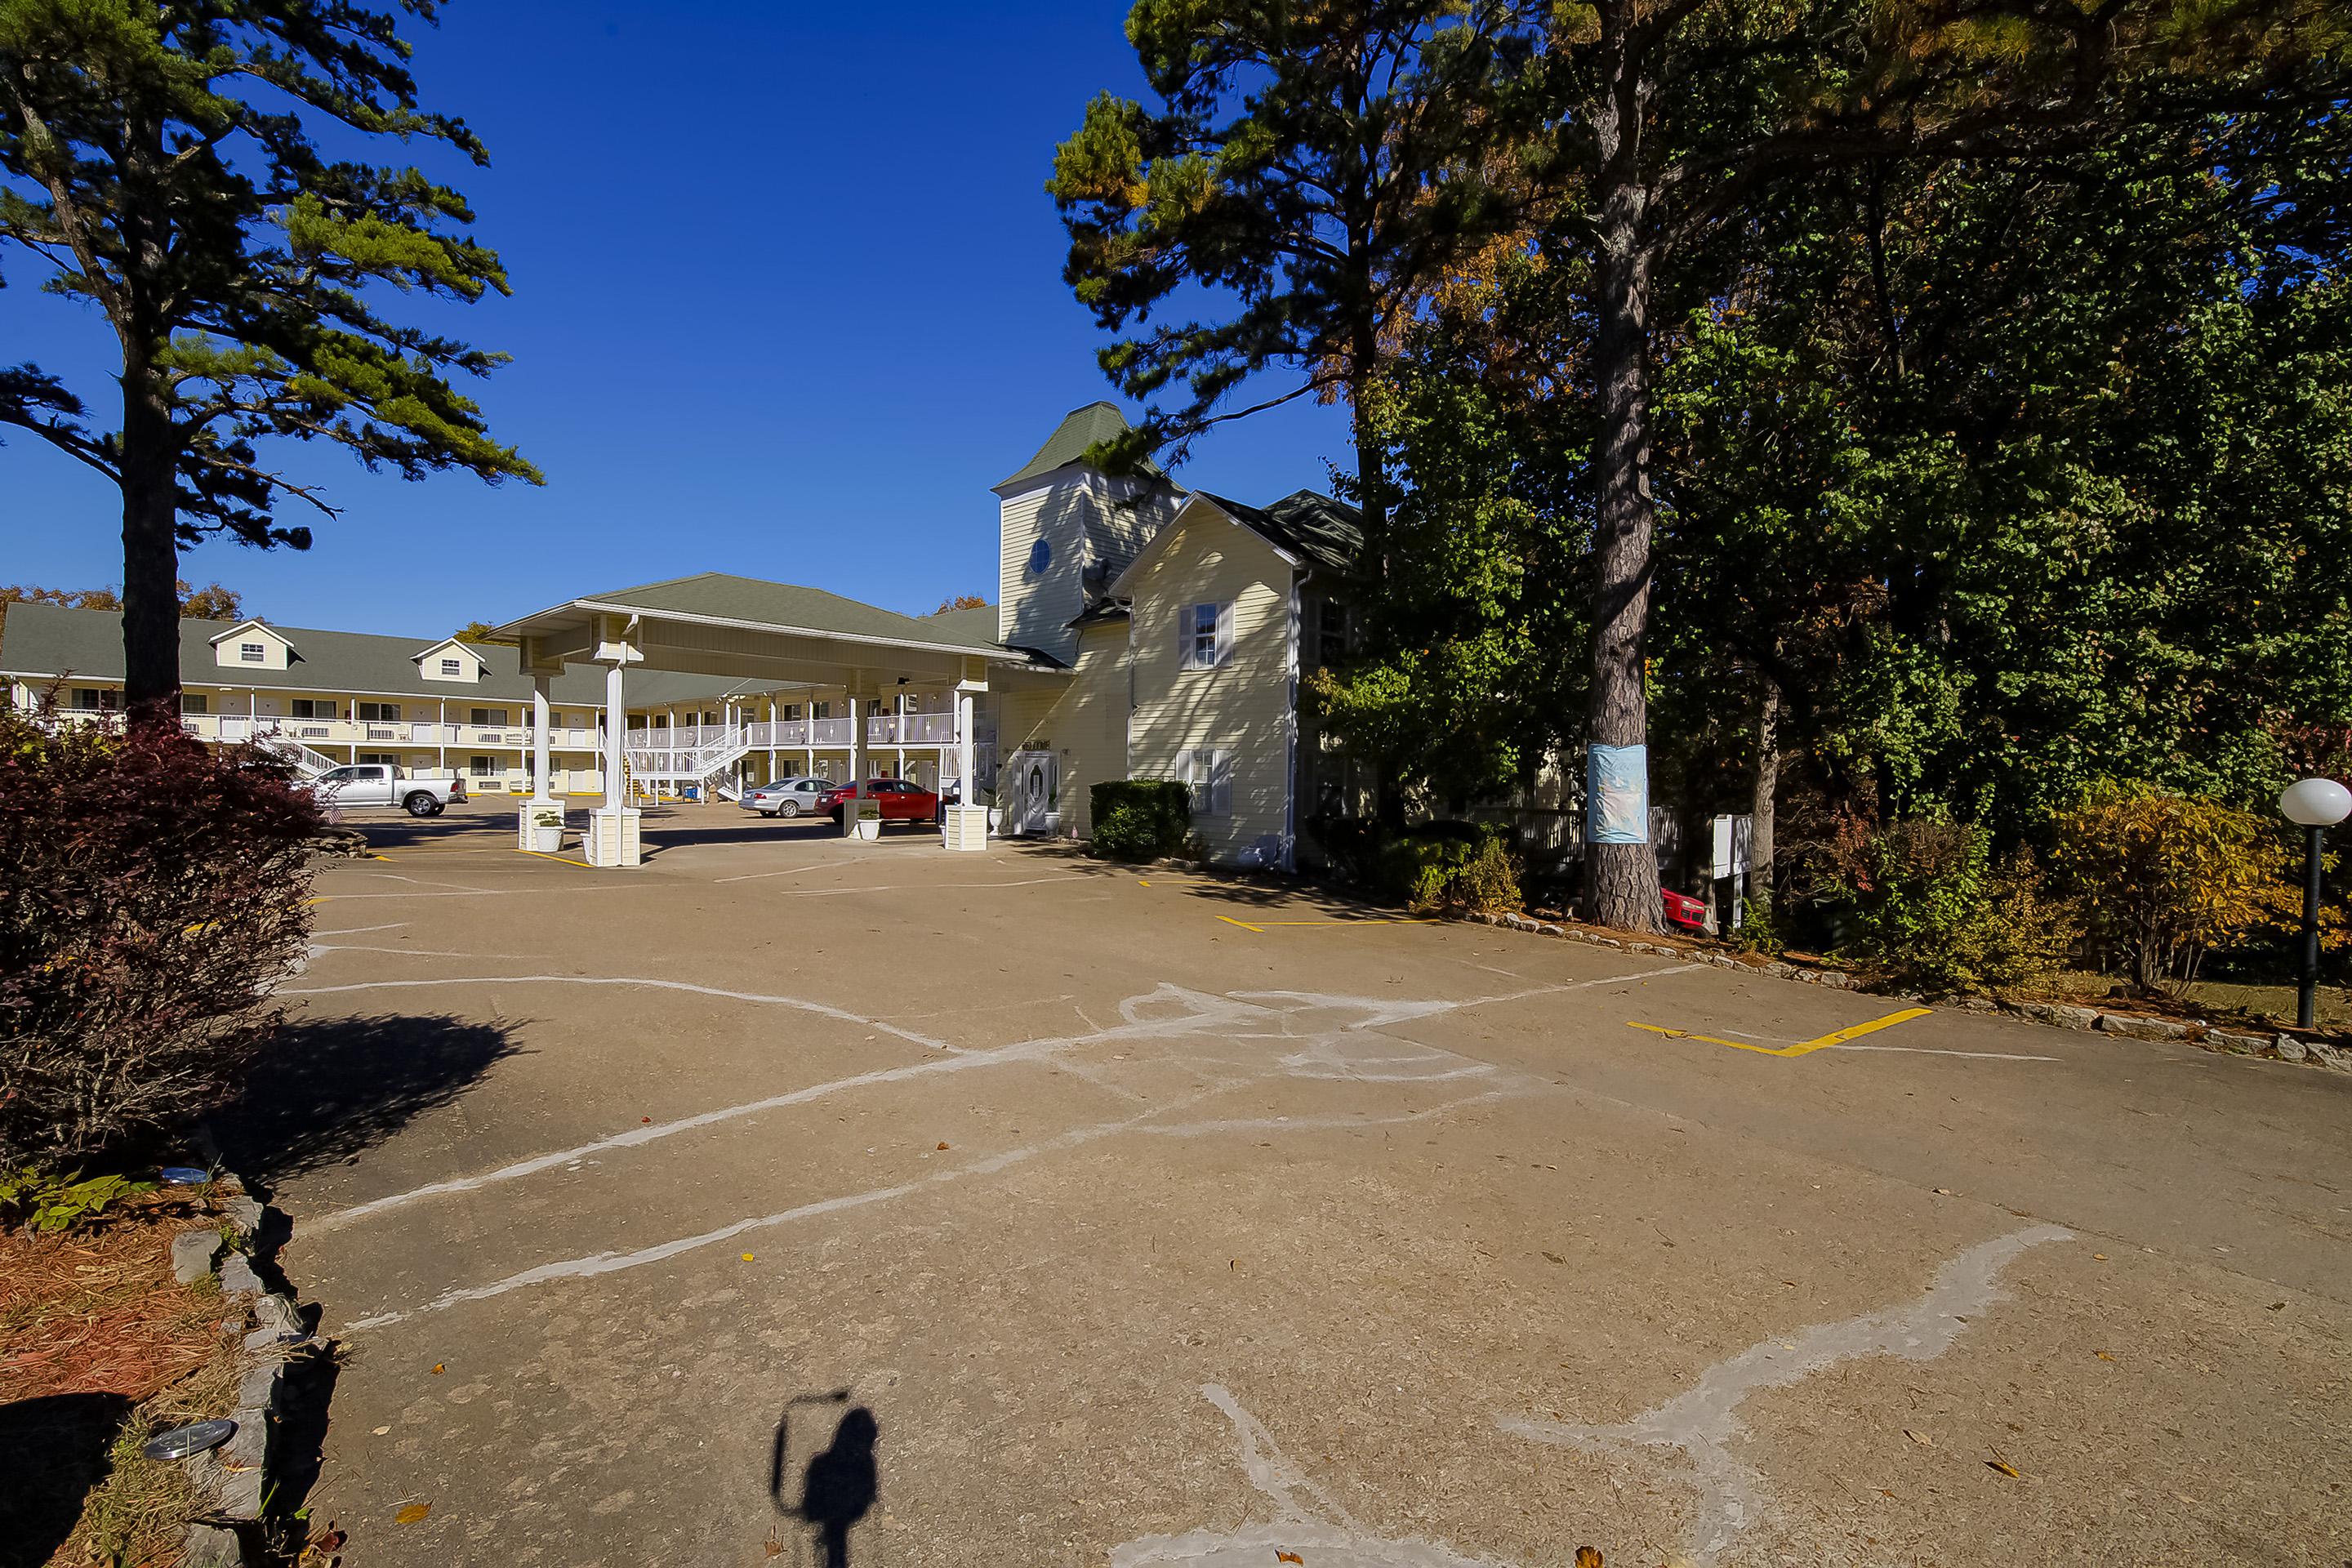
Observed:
{"x":374,"y":783}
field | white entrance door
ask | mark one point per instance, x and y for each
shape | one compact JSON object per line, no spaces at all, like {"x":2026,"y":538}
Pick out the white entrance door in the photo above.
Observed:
{"x":1032,"y":805}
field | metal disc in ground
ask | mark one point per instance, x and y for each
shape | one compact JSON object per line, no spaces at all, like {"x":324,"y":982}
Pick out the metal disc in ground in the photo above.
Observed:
{"x":182,"y":1441}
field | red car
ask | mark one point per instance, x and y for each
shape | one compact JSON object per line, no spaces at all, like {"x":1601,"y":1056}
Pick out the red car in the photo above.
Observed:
{"x":900,"y":801}
{"x":1683,"y":911}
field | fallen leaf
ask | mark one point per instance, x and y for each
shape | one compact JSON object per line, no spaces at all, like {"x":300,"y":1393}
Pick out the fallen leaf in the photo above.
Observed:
{"x":382,"y":1430}
{"x":646,"y":1121}
{"x":747,"y":1258}
{"x":2103,"y":1355}
{"x":1791,"y":1284}
{"x":411,"y":1513}
{"x":2278,"y":1306}
{"x":2098,"y":1256}
{"x":942,"y":1145}
{"x":1235,"y":1265}
{"x":1944,"y":1192}
{"x":1555,"y":1257}
{"x":2004,"y":1467}
{"x":1587,"y":1557}
{"x":439,"y":1367}
{"x":1919,"y":1437}
{"x":1290,"y":1557}
{"x":1883,"y":1492}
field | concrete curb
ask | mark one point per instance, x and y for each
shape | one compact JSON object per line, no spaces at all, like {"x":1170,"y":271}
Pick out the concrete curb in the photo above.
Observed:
{"x":2278,"y":1046}
{"x":241,"y":1475}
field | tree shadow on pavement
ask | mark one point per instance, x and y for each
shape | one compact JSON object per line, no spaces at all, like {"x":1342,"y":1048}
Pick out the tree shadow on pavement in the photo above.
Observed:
{"x":837,"y":1486}
{"x":327,"y":1088}
{"x":53,"y":1450}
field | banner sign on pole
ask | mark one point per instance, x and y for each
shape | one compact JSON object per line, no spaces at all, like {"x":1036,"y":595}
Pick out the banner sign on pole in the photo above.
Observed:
{"x":1617,"y":794}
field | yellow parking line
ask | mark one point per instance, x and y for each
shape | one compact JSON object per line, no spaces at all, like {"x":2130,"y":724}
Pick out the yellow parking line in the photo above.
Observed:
{"x":1802,"y":1047}
{"x":560,"y":860}
{"x":1244,"y":924}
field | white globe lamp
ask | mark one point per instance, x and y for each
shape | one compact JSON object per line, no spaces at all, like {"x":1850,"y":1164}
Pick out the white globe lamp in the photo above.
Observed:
{"x":2316,"y":805}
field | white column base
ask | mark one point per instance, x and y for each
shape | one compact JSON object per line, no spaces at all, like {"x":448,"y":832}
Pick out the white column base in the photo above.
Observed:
{"x":611,"y":838}
{"x":965,"y":828}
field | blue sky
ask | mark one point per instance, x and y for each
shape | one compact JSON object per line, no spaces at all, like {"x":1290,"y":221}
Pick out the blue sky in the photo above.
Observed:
{"x":788,"y":300}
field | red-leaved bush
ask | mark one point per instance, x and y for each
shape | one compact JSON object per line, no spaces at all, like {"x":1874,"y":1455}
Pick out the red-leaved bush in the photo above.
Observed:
{"x":151,"y":893}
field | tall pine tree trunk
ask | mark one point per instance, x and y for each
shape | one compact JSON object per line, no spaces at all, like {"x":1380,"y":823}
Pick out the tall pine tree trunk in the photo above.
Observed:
{"x":151,"y":551}
{"x":1768,"y":789}
{"x":1621,"y":879}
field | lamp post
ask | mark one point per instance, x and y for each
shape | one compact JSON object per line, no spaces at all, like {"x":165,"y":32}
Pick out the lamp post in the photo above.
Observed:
{"x":2316,"y":805}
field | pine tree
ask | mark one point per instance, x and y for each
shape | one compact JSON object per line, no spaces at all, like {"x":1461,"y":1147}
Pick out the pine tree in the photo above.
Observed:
{"x":157,"y":156}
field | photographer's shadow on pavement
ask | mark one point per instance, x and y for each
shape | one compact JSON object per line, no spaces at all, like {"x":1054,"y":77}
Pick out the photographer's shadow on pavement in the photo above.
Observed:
{"x":837,"y":1486}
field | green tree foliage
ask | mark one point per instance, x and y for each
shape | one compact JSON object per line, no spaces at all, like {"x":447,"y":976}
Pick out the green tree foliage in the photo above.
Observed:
{"x":1291,"y":171}
{"x":2015,"y":476}
{"x":1472,"y":623}
{"x":157,"y":158}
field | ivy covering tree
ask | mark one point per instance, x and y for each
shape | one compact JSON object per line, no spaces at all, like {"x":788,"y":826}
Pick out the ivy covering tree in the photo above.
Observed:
{"x":157,"y":157}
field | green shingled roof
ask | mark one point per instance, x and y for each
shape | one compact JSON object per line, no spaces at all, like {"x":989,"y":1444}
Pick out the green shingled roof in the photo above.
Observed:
{"x":1080,"y":429}
{"x":44,"y":642}
{"x":720,"y":595}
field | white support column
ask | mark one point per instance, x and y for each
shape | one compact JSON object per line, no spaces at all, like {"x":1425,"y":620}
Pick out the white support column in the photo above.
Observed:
{"x":612,"y":832}
{"x":542,"y":789}
{"x":857,"y":766}
{"x":964,"y":825}
{"x":772,"y":738}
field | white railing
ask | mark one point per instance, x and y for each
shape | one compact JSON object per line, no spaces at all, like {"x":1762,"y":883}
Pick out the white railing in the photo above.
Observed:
{"x":912,"y":729}
{"x":685,"y":763}
{"x":307,"y":762}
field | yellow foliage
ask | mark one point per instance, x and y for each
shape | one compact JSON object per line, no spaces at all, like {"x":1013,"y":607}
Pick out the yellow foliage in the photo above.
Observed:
{"x":2165,"y":879}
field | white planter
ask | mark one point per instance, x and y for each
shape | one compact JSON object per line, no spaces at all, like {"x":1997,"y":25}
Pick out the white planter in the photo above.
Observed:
{"x":547,"y":841}
{"x":869,"y":828}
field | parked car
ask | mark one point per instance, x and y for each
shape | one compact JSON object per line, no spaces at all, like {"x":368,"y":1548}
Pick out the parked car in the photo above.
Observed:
{"x":375,"y":783}
{"x":788,"y":797}
{"x":900,"y":801}
{"x":1683,"y":911}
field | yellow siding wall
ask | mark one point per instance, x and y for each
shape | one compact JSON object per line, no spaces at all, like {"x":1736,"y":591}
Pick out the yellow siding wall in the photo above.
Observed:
{"x":1081,"y":717}
{"x":1243,"y":705}
{"x":1036,"y":611}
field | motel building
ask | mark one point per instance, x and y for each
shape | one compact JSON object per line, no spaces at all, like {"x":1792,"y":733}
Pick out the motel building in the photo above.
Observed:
{"x":1141,"y":631}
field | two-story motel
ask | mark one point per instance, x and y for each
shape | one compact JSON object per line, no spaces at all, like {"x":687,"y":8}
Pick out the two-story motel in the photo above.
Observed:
{"x":1141,"y":631}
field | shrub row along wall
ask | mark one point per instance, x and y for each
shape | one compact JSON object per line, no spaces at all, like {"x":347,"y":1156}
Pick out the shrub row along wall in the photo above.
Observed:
{"x":1140,"y":819}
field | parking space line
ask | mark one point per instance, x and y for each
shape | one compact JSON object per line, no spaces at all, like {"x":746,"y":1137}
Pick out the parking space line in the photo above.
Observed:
{"x":1802,"y":1047}
{"x":560,"y":860}
{"x":1260,"y":926}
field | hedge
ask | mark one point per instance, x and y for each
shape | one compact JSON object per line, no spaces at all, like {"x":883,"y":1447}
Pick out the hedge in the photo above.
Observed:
{"x":1140,"y":819}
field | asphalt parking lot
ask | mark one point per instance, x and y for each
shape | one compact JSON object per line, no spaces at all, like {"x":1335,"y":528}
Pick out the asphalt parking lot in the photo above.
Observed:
{"x":799,"y":1199}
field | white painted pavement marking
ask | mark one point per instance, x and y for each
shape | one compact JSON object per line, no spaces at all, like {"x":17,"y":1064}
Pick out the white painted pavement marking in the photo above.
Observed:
{"x":1318,"y":1530}
{"x":1704,"y":1421}
{"x":1933,"y":1051}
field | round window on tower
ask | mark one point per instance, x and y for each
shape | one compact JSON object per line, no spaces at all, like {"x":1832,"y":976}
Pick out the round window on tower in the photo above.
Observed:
{"x":1041,"y":555}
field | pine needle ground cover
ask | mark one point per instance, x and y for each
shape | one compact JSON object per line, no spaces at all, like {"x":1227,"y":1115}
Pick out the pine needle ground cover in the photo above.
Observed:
{"x":100,"y":1348}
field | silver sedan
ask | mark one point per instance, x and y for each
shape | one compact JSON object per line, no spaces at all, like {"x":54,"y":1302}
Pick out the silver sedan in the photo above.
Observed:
{"x":786,"y":797}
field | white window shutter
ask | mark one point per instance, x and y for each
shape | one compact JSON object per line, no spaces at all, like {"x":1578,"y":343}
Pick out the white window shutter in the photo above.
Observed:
{"x":1224,"y":630}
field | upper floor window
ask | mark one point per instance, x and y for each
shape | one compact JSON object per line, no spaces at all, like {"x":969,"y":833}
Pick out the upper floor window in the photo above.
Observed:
{"x":380,"y":712}
{"x":252,"y":652}
{"x":1041,"y":555}
{"x":313,"y":708}
{"x":489,"y":718}
{"x":452,"y":666}
{"x":195,"y":703}
{"x":1208,"y":634}
{"x":1331,"y":635}
{"x":97,"y":699}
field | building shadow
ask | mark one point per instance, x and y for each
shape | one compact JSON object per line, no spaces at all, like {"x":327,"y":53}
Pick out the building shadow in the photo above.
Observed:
{"x":53,"y":1450}
{"x":837,"y":1484}
{"x":328,"y":1089}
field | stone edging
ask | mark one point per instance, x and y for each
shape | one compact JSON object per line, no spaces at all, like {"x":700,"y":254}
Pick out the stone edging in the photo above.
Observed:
{"x":2064,"y":1015}
{"x":239,"y":1476}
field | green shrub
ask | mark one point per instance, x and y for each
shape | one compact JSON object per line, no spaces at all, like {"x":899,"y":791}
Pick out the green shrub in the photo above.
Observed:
{"x":1926,"y":904}
{"x":1351,"y":846}
{"x":152,"y":894}
{"x":1140,"y":819}
{"x":1439,"y":868}
{"x":46,"y":1203}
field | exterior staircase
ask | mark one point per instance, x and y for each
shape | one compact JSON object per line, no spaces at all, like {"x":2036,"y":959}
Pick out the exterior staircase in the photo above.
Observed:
{"x":307,"y":763}
{"x":697,"y":756}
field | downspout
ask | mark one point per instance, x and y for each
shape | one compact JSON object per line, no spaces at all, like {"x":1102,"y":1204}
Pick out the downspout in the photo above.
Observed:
{"x":1290,"y":725}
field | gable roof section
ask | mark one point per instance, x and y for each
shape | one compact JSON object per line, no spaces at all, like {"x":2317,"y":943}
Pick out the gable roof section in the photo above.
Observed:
{"x":787,"y":607}
{"x":1306,"y":525}
{"x":1080,"y":429}
{"x":44,"y":642}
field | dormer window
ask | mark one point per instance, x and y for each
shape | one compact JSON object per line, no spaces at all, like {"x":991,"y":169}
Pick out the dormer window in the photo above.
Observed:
{"x":451,"y":666}
{"x":251,"y":652}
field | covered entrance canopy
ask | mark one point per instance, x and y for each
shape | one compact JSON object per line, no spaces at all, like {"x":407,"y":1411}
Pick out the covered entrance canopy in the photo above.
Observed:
{"x":779,"y":635}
